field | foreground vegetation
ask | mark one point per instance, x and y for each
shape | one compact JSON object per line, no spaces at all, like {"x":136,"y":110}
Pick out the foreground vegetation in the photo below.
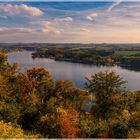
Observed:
{"x":33,"y":106}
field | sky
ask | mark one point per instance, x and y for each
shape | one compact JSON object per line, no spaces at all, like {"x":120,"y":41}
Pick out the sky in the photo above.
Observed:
{"x":70,"y":22}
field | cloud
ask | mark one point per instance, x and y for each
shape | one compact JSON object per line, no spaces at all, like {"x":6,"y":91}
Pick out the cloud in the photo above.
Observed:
{"x":126,"y":15}
{"x":84,"y":29}
{"x":92,"y":16}
{"x":114,"y":5}
{"x":15,"y":30}
{"x":50,"y":30}
{"x":46,"y":27}
{"x":119,"y":25}
{"x":66,"y":19}
{"x":42,"y":23}
{"x":13,"y":9}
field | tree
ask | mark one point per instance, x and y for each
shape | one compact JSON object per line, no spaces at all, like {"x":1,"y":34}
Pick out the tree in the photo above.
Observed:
{"x":68,"y":123}
{"x":43,"y":82}
{"x":68,"y":96}
{"x":8,"y":130}
{"x":3,"y":62}
{"x":108,"y":91}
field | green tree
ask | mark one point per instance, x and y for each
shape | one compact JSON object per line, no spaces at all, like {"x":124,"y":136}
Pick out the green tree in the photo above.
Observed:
{"x":108,"y":91}
{"x":68,"y":96}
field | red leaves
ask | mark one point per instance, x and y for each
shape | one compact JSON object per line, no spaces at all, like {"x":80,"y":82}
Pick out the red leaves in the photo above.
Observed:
{"x":69,"y":124}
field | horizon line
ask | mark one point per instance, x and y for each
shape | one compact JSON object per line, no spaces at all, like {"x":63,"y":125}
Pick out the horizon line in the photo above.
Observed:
{"x":64,"y":43}
{"x":69,"y":0}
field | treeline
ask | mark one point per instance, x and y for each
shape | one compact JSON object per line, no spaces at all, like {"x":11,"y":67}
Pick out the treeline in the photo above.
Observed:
{"x":95,"y":54}
{"x":92,"y":55}
{"x":33,"y":106}
{"x":8,"y":50}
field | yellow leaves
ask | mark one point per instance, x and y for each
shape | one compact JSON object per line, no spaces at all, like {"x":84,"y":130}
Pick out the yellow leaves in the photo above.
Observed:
{"x":2,"y":81}
{"x":61,"y":111}
{"x":39,"y":74}
{"x":2,"y":105}
{"x":33,"y":136}
{"x":3,"y":58}
{"x":36,"y":70}
{"x":134,"y":133}
{"x":7,"y":130}
{"x":136,"y":116}
{"x":14,"y":67}
{"x":1,"y":78}
{"x":62,"y":87}
{"x":91,"y":97}
{"x":27,"y":90}
{"x":125,"y":114}
{"x":4,"y":88}
{"x":44,"y":118}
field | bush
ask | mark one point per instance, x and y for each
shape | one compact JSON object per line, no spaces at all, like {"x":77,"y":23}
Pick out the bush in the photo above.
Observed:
{"x":119,"y":129}
{"x":134,"y":133}
{"x":7,"y":130}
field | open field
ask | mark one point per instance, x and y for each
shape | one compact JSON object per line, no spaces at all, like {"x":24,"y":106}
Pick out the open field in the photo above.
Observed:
{"x":126,"y":53}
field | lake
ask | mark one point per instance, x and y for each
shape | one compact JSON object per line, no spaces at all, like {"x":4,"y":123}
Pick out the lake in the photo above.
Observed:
{"x":72,"y":71}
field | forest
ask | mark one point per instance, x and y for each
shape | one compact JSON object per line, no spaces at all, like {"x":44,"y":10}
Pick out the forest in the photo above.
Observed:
{"x":124,"y":55}
{"x":32,"y":105}
{"x":101,"y":55}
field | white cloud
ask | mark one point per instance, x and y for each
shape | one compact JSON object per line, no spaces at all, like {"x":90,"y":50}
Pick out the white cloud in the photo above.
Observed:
{"x":16,"y":30}
{"x":13,"y":9}
{"x":117,"y":2}
{"x":50,"y":30}
{"x":89,"y":18}
{"x":92,"y":16}
{"x":84,"y":29}
{"x":66,"y":19}
{"x":119,"y":25}
{"x":42,"y":23}
{"x":46,"y":27}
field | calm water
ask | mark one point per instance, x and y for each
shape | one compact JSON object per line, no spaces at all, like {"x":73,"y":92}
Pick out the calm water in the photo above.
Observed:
{"x":71,"y":71}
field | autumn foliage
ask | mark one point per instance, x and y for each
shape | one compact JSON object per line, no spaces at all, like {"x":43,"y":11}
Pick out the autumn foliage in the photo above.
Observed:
{"x":32,"y":105}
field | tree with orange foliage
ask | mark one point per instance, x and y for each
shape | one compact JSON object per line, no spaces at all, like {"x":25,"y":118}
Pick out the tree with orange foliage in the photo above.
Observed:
{"x":43,"y":82}
{"x":69,"y":124}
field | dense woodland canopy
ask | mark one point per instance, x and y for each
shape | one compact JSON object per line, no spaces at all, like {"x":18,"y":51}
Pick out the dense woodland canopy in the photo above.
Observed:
{"x":32,"y":105}
{"x":101,"y":55}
